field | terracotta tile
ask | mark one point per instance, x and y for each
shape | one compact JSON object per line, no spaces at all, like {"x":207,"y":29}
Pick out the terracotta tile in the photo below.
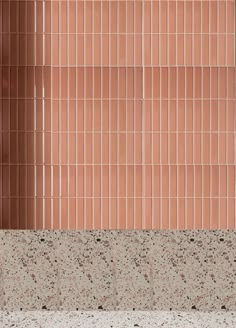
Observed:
{"x":122,"y":181}
{"x":155,"y":50}
{"x":113,"y":43}
{"x":122,"y":17}
{"x":55,"y":218}
{"x":198,"y":213}
{"x":97,"y":213}
{"x":22,"y":213}
{"x":230,"y":17}
{"x":230,"y":49}
{"x":164,"y":115}
{"x":164,"y":148}
{"x":205,"y":50}
{"x":72,"y":181}
{"x":105,"y":214}
{"x":80,"y":16}
{"x":214,"y":148}
{"x":214,"y":213}
{"x":130,"y":213}
{"x":221,"y":46}
{"x":63,"y":180}
{"x":230,"y":148}
{"x":113,"y":14}
{"x":213,"y":49}
{"x":122,"y":215}
{"x":130,"y":149}
{"x":30,"y":214}
{"x":155,"y":15}
{"x":165,"y":213}
{"x":48,"y":222}
{"x":223,"y":213}
{"x":206,"y":213}
{"x":137,"y":49}
{"x":138,"y":16}
{"x":190,"y":215}
{"x":231,"y":213}
{"x":181,"y":177}
{"x":137,"y":181}
{"x":163,"y":51}
{"x":80,"y":181}
{"x":105,"y":148}
{"x":14,"y":54}
{"x":63,"y":205}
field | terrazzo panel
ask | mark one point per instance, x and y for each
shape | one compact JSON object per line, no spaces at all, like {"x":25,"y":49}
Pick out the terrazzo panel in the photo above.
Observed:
{"x":118,"y":270}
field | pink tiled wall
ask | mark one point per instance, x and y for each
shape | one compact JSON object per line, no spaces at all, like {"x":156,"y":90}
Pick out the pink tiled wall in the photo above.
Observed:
{"x":117,"y":114}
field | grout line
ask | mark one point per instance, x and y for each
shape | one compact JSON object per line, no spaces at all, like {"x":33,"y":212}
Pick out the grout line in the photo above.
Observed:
{"x":126,"y":125}
{"x":160,"y":118}
{"x":9,"y":145}
{"x":59,"y":127}
{"x":152,"y":161}
{"x":93,"y":88}
{"x":17,"y":124}
{"x":113,"y":33}
{"x":101,"y":120}
{"x":51,"y":104}
{"x":202,"y":178}
{"x":218,"y":91}
{"x":117,"y":124}
{"x":35,"y":167}
{"x":235,"y":113}
{"x":79,"y":99}
{"x":68,"y":117}
{"x":84,"y":135}
{"x":122,"y":197}
{"x":43,"y":114}
{"x":109,"y":114}
{"x":168,"y":115}
{"x":134,"y":120}
{"x":77,"y":211}
{"x":143,"y":123}
{"x":177,"y":116}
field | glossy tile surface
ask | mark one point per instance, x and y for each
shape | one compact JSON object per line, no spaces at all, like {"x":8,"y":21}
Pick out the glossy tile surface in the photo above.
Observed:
{"x":117,"y":114}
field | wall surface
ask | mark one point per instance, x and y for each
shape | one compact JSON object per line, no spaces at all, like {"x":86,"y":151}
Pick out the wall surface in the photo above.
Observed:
{"x":118,"y":270}
{"x":117,"y":114}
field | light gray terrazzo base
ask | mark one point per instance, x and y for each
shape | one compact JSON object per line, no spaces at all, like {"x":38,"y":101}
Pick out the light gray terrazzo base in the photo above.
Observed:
{"x":117,"y":319}
{"x":118,"y":270}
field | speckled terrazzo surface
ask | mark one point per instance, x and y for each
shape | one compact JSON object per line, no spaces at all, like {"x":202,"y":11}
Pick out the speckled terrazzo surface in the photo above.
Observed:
{"x":118,"y":270}
{"x":118,"y":319}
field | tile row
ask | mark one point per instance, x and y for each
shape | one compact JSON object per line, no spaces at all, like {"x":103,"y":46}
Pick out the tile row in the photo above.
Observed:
{"x":159,"y":181}
{"x":124,"y":198}
{"x":118,"y":16}
{"x":118,"y":33}
{"x":125,"y":83}
{"x":118,"y":50}
{"x":117,"y":149}
{"x":118,"y":270}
